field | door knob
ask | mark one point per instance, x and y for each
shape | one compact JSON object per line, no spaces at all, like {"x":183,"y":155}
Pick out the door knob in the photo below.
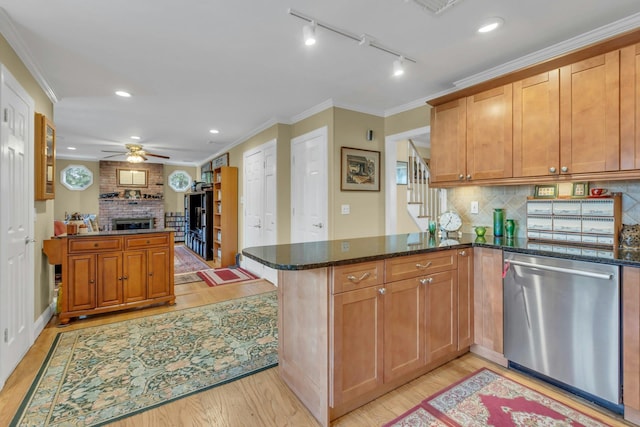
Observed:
{"x":318,"y":225}
{"x":28,"y":240}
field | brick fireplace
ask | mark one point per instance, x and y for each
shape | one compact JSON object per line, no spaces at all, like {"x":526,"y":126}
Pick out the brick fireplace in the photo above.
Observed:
{"x":147,"y":207}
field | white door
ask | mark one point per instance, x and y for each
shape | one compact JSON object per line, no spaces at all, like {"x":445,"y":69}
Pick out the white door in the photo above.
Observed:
{"x":16,"y":223}
{"x":260,"y":197}
{"x":309,"y":182}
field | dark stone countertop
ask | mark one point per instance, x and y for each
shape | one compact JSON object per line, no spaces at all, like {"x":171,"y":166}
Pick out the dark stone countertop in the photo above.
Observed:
{"x":112,"y":233}
{"x":305,"y":256}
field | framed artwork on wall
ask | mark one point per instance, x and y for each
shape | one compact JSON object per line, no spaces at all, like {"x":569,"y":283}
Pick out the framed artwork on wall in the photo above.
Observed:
{"x":401,"y":173}
{"x":359,"y":170}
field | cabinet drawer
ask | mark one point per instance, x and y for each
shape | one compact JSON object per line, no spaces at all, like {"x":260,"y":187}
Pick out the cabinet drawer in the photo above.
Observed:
{"x":419,"y":265}
{"x":95,"y":244}
{"x":144,"y":241}
{"x":357,"y":276}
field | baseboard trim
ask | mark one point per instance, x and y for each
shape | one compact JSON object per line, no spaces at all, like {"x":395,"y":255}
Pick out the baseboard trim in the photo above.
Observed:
{"x":42,"y":321}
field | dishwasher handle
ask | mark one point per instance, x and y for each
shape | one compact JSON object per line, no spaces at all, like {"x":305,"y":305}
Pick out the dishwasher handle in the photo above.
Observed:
{"x":559,"y":269}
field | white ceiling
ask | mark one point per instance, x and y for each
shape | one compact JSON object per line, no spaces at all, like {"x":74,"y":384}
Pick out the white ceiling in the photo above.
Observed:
{"x":240,"y":66}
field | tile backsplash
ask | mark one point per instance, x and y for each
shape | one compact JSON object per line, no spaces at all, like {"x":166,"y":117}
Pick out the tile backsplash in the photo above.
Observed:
{"x":512,"y":199}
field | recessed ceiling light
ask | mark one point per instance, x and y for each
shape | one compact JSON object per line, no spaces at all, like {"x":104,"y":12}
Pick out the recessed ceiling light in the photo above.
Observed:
{"x":490,"y":25}
{"x":137,"y":138}
{"x":71,"y":148}
{"x":214,"y":131}
{"x":123,"y":94}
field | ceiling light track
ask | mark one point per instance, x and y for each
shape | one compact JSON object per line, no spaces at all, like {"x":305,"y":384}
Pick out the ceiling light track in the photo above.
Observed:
{"x":364,"y":39}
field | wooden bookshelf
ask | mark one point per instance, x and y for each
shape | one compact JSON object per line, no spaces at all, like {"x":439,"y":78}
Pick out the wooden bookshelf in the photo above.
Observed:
{"x":225,"y":215}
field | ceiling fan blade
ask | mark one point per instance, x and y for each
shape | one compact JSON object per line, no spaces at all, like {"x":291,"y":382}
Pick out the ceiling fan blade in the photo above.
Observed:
{"x":141,"y":155}
{"x":158,"y":155}
{"x":114,"y":155}
{"x":109,"y":151}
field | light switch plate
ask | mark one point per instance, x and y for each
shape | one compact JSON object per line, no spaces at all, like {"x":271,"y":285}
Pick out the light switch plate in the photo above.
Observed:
{"x":346,"y":209}
{"x":474,"y":207}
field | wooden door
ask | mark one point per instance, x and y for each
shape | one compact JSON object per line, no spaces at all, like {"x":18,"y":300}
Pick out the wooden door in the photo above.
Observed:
{"x":536,"y":125}
{"x":448,"y":141}
{"x":404,"y":328}
{"x":465,"y":298}
{"x":134,"y":283}
{"x":590,"y":115}
{"x":357,"y":343}
{"x":490,"y":134}
{"x":159,"y":273}
{"x":80,"y":288}
{"x":488,"y":312}
{"x":442,"y":315}
{"x":630,"y":107}
{"x":109,"y":279}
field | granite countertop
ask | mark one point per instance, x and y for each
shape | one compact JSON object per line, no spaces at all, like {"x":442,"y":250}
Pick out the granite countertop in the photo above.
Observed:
{"x":117,"y":233}
{"x":304,"y":256}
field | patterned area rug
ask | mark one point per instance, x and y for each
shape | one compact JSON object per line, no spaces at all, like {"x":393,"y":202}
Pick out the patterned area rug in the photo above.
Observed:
{"x":185,"y":261}
{"x":96,"y":375}
{"x":181,"y":279}
{"x":486,"y":398}
{"x":223,"y":276}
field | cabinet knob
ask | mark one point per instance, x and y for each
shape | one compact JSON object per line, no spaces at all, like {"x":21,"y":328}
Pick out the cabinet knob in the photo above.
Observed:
{"x":151,"y":274}
{"x":382,"y":291}
{"x":468,"y":177}
{"x":92,"y":281}
{"x":552,"y":170}
{"x":460,"y":177}
{"x":148,"y":242}
{"x":95,"y":245}
{"x":125,"y":277}
{"x":426,"y":280}
{"x":564,"y":169}
{"x":463,"y":253}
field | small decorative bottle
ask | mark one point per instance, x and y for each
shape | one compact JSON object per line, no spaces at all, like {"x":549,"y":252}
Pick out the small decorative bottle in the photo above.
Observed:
{"x":498,"y":222}
{"x":510,"y":228}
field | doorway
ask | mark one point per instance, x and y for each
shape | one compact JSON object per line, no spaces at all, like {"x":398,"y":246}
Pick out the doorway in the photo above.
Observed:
{"x":16,"y":223}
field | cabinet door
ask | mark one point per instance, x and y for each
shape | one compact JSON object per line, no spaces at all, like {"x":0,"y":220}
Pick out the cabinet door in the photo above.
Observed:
{"x":590,"y":115}
{"x":357,"y":343}
{"x":135,"y":276}
{"x":404,"y":328}
{"x":630,"y":107}
{"x":465,"y":298}
{"x":109,"y":280}
{"x":490,"y":134}
{"x":631,"y":341}
{"x":442,"y":314}
{"x":448,"y":141}
{"x":488,"y":299}
{"x":536,"y":125}
{"x":158,"y":275}
{"x":81,"y":287}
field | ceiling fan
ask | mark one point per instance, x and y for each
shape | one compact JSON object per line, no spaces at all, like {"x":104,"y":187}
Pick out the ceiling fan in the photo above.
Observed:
{"x":134,"y":153}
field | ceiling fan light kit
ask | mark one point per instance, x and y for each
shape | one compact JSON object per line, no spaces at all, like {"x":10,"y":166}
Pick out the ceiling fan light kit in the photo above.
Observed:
{"x":134,"y":153}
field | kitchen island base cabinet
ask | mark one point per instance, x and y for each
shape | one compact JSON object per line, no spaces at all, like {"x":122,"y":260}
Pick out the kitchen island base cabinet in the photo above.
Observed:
{"x":101,"y":274}
{"x":631,"y":343}
{"x":348,"y":336}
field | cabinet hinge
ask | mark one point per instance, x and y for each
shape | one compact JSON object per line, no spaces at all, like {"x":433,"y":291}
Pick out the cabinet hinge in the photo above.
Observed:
{"x":6,"y":115}
{"x":6,"y":334}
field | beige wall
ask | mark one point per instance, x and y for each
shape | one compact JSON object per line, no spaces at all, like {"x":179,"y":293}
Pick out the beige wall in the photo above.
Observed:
{"x":70,"y":201}
{"x":408,"y":120}
{"x":174,"y":201}
{"x":43,"y":228}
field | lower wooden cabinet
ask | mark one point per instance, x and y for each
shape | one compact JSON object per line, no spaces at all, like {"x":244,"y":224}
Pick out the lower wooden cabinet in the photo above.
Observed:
{"x":631,"y":343}
{"x":102,"y":274}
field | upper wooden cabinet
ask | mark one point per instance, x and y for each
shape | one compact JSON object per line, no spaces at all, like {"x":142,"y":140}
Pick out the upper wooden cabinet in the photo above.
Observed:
{"x":449,"y":141}
{"x":590,"y":115}
{"x":44,"y":158}
{"x":630,"y":107}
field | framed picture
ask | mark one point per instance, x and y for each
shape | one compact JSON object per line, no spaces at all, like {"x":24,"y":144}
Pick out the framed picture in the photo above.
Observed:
{"x":580,"y":189}
{"x":360,"y":170}
{"x":132,"y":177}
{"x":401,"y":173}
{"x":206,"y":172}
{"x":222,"y":160}
{"x":132,"y":194}
{"x":546,"y":191}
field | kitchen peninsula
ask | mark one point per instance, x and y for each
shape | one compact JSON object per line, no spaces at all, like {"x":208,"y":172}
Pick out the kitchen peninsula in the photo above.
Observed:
{"x":360,"y":317}
{"x":112,"y":270}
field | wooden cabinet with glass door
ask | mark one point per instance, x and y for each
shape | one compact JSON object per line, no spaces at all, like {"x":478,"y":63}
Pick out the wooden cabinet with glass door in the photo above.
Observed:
{"x":45,"y":158}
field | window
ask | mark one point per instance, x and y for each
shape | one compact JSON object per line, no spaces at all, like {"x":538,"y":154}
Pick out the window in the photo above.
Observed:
{"x":179,"y":181}
{"x":76,"y":177}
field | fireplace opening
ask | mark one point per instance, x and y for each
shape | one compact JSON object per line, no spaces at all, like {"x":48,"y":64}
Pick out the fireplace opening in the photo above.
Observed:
{"x":132,"y":223}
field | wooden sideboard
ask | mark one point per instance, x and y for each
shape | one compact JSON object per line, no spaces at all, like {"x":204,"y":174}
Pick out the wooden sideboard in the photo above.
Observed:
{"x":110,"y":272}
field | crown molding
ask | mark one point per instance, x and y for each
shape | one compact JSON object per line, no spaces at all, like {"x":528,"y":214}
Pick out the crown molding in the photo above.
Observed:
{"x":9,"y":32}
{"x":610,"y":30}
{"x":313,"y":110}
{"x":406,"y":107}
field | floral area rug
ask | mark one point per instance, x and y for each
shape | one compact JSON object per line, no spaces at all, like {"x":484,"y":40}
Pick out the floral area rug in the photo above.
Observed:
{"x":97,"y":375}
{"x":185,"y":261}
{"x":486,"y":398}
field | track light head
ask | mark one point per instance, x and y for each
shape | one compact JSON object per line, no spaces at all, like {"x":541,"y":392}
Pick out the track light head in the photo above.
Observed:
{"x":398,"y":66}
{"x":309,"y":33}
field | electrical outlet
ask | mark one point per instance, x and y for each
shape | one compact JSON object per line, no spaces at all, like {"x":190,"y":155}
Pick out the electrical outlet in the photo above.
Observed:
{"x":474,"y":207}
{"x":345,"y":246}
{"x":346,"y":209}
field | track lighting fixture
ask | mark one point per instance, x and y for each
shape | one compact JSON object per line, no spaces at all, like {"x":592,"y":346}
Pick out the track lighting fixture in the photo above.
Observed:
{"x":309,"y":33}
{"x":398,"y":66}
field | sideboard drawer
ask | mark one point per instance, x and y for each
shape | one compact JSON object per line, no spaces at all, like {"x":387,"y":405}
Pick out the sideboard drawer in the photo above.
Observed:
{"x":357,"y":276}
{"x":89,"y":244}
{"x":144,"y":241}
{"x":407,"y":267}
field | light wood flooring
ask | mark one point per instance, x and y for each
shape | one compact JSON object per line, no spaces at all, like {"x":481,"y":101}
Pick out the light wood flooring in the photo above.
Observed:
{"x":261,"y":399}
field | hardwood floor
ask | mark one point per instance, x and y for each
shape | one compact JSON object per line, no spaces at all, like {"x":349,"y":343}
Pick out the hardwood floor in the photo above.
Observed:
{"x":261,"y":399}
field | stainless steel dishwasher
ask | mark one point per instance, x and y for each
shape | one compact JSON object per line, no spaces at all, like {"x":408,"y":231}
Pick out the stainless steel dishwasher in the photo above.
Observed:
{"x":562,"y":324}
